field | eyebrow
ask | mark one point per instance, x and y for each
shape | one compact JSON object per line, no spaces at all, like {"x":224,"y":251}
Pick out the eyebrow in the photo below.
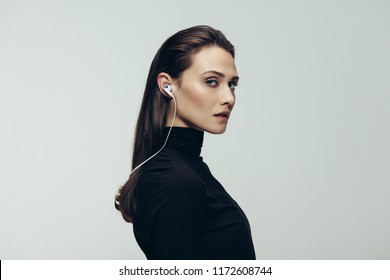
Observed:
{"x":219,"y":74}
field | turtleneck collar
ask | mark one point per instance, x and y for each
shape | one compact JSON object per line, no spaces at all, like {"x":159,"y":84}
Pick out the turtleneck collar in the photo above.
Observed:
{"x":185,"y":139}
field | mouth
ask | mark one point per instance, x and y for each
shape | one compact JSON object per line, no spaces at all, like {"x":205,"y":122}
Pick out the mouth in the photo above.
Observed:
{"x":224,"y":114}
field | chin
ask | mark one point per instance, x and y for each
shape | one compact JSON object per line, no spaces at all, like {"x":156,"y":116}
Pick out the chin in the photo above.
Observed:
{"x":213,"y":129}
{"x":216,"y":130}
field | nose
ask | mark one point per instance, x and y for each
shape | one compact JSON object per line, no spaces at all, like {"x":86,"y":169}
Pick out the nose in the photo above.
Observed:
{"x":228,"y":97}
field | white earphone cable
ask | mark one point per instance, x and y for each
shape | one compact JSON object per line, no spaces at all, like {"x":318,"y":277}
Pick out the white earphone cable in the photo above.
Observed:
{"x":166,"y":139}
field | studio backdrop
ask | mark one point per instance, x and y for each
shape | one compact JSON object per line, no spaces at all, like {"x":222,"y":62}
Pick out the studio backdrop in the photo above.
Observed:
{"x":306,"y":153}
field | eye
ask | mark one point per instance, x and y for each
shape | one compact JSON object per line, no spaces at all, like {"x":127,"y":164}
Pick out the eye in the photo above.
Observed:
{"x":233,"y":85}
{"x":212,"y":82}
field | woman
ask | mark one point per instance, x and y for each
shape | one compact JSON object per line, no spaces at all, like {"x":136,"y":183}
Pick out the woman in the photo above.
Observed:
{"x":179,"y":210}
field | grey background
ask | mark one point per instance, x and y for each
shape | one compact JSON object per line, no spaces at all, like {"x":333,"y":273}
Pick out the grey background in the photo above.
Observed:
{"x":306,"y":153}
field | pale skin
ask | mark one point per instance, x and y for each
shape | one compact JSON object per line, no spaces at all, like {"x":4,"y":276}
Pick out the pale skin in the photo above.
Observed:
{"x":205,"y":97}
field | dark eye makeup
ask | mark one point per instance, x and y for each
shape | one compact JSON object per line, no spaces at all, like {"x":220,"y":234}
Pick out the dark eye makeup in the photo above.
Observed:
{"x":233,"y":85}
{"x":214,"y":83}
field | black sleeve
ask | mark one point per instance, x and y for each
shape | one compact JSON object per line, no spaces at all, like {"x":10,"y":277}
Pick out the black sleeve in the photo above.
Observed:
{"x":178,"y":221}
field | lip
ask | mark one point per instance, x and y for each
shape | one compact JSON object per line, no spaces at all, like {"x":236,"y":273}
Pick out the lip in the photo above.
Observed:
{"x":224,"y":114}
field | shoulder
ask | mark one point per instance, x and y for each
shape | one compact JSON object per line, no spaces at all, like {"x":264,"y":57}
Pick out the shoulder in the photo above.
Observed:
{"x":168,"y":174}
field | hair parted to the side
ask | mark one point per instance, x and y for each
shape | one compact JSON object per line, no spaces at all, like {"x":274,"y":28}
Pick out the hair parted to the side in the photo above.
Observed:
{"x":173,"y":57}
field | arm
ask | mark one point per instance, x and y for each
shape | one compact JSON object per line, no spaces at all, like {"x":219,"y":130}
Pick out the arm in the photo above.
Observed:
{"x":178,"y":222}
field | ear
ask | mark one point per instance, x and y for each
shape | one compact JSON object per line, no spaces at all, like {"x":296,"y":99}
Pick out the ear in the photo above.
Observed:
{"x":164,"y":78}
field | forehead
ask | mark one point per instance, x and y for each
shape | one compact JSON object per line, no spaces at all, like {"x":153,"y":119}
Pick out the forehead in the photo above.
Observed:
{"x":213,"y":58}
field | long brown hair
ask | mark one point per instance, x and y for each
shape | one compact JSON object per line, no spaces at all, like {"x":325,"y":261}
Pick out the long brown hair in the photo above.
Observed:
{"x":173,"y":57}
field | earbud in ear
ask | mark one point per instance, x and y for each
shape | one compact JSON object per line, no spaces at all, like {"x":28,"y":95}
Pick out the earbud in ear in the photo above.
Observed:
{"x":168,"y":89}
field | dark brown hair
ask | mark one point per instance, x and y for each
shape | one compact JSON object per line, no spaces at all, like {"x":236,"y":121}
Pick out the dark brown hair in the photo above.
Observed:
{"x":173,"y":57}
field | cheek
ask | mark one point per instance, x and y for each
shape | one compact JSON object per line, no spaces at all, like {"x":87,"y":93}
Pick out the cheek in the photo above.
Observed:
{"x":198,"y":98}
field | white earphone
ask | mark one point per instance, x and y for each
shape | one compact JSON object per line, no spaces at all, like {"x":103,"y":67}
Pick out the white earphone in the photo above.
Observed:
{"x":168,"y":89}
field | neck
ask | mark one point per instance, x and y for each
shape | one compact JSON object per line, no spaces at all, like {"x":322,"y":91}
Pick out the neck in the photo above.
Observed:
{"x":185,"y":139}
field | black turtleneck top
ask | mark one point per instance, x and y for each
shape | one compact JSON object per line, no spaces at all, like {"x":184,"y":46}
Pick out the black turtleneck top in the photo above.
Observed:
{"x":182,"y":211}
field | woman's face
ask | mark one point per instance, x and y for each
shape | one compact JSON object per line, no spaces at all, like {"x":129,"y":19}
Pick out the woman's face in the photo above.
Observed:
{"x":205,"y":97}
